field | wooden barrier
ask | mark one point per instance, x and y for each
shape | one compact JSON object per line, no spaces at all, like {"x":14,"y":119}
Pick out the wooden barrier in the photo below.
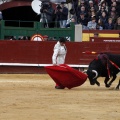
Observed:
{"x":31,"y":56}
{"x":104,"y":39}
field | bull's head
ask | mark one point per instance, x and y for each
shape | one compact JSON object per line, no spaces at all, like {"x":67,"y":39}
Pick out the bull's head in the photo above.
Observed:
{"x":92,"y":75}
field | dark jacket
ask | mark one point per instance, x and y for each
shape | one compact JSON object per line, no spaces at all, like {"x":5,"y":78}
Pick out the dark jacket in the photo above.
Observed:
{"x":109,"y":26}
{"x":64,"y":14}
{"x":83,"y":21}
{"x":117,"y":27}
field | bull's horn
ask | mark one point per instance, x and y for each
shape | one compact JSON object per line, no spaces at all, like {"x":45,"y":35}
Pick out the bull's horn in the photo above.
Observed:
{"x":96,"y":73}
{"x":85,"y":71}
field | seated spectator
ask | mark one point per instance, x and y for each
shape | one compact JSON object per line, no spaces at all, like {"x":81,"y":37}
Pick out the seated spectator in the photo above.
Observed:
{"x":113,"y":5}
{"x":109,"y":25}
{"x":73,"y":20}
{"x":113,"y":9}
{"x":104,"y":18}
{"x":91,"y":14}
{"x":104,"y":5}
{"x":92,"y":9}
{"x":91,"y":4}
{"x":118,"y":7}
{"x":113,"y":15}
{"x":99,"y":13}
{"x":82,"y":9}
{"x":101,"y":10}
{"x":117,"y":24}
{"x":82,"y":19}
{"x":92,"y":24}
{"x":100,"y":25}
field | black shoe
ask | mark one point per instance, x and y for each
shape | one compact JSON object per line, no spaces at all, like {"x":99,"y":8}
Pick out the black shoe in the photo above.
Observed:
{"x":59,"y":87}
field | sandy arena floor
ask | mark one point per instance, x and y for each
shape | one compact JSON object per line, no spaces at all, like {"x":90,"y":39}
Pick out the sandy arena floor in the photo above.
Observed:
{"x":33,"y":97}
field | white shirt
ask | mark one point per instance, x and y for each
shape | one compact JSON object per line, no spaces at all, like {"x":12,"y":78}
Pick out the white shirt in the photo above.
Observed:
{"x":59,"y":54}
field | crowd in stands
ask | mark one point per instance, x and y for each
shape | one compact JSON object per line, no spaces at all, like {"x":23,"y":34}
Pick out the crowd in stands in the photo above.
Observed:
{"x":98,"y":14}
{"x":91,"y":14}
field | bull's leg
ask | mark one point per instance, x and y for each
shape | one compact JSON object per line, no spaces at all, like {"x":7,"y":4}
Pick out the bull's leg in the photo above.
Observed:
{"x":114,"y":77}
{"x":118,"y":86}
{"x":106,"y":82}
{"x":97,"y":83}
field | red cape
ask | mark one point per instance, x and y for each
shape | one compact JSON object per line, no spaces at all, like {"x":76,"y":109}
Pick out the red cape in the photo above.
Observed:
{"x":66,"y":76}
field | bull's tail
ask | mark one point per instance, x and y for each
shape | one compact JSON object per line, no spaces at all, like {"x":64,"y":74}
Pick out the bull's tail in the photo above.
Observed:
{"x":117,"y":88}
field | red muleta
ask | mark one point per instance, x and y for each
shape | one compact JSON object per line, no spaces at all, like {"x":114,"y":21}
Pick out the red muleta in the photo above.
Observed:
{"x":66,"y":76}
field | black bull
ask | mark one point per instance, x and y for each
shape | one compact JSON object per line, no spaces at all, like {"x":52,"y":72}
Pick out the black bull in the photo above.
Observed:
{"x":105,"y":65}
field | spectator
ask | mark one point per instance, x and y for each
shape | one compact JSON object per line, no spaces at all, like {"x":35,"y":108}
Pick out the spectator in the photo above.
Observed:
{"x":109,"y":25}
{"x":112,"y":9}
{"x":118,"y":8}
{"x":91,"y":14}
{"x":82,"y":19}
{"x":92,"y":24}
{"x":73,"y":20}
{"x":113,"y":16}
{"x":91,"y":4}
{"x":47,"y":13}
{"x":58,"y":15}
{"x":113,"y":4}
{"x":104,"y":18}
{"x":100,"y":25}
{"x":99,"y":13}
{"x":117,"y":25}
{"x":75,"y":5}
{"x":63,"y":15}
{"x":104,"y":5}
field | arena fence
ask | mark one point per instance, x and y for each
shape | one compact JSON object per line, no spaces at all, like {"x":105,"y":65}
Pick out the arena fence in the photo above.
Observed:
{"x":22,"y":28}
{"x":31,"y":56}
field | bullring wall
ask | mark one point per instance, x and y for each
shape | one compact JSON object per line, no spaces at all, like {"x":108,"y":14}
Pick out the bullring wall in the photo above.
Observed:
{"x":40,"y":52}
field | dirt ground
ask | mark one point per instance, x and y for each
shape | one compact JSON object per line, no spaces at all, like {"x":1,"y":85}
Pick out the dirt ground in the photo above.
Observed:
{"x":33,"y":97}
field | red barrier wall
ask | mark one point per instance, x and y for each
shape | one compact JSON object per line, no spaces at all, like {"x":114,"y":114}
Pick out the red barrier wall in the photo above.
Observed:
{"x":104,"y":39}
{"x":41,"y":53}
